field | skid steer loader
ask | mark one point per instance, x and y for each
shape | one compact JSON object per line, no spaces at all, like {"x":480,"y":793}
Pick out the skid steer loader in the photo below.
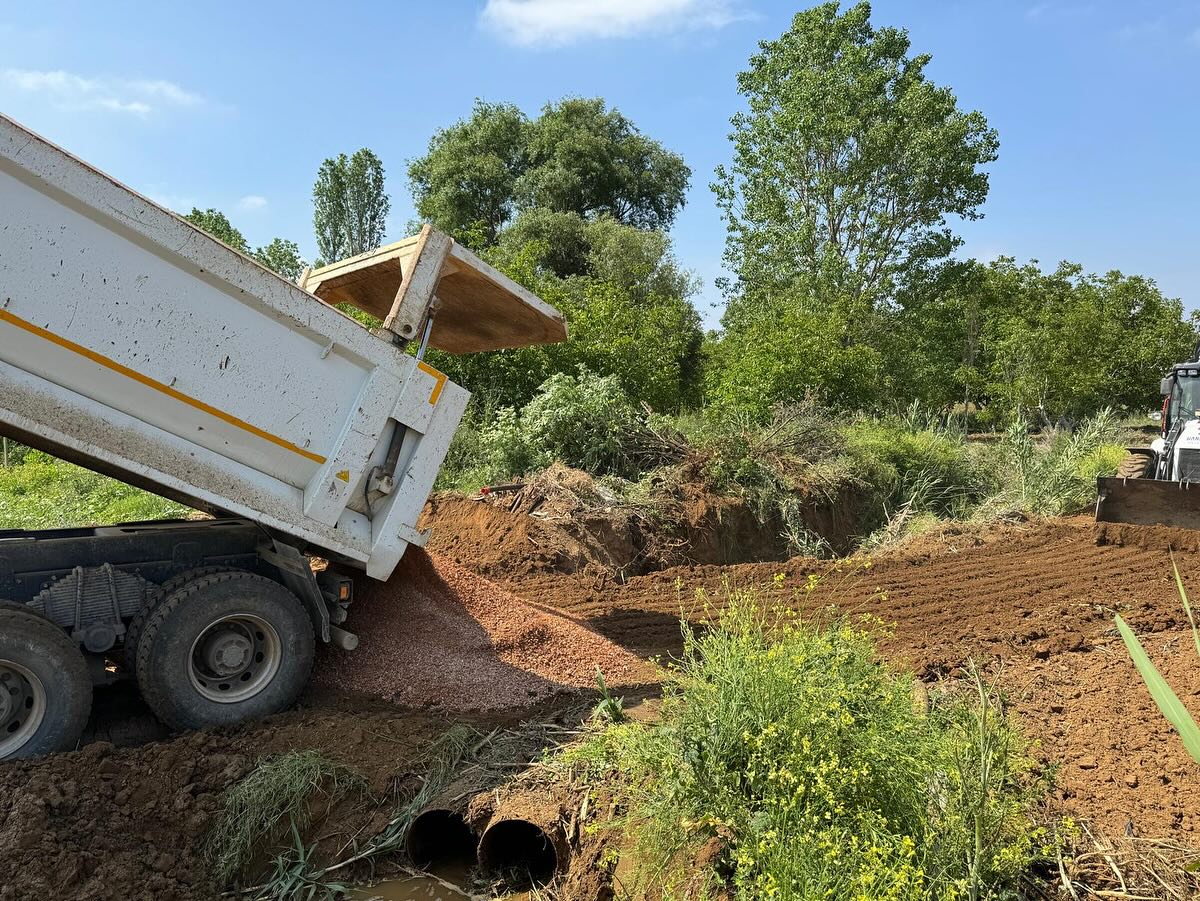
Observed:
{"x":1160,"y":484}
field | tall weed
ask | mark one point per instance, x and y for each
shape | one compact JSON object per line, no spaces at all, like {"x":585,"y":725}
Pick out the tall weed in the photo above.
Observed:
{"x":1050,"y":476}
{"x":789,"y":763}
{"x":1166,"y":699}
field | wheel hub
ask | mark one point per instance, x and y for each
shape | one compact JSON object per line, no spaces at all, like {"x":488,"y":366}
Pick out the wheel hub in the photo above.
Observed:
{"x":228,"y":653}
{"x":22,"y":706}
{"x":235,"y":658}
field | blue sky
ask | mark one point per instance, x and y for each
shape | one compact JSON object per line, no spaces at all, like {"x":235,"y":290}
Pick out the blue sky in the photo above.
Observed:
{"x":235,"y":105}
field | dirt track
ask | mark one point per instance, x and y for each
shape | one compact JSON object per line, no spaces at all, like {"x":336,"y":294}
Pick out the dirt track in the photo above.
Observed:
{"x":1034,"y":603}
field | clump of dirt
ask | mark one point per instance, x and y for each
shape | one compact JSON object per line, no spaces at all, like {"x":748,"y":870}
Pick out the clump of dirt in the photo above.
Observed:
{"x":440,"y":637}
{"x":560,"y":522}
{"x":129,"y":824}
{"x":1156,"y":538}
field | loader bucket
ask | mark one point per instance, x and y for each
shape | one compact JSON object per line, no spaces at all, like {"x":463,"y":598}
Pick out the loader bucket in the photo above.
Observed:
{"x":1148,"y":502}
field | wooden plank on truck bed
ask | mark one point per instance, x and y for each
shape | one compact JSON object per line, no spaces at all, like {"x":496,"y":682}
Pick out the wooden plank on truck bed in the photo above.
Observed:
{"x":480,"y":308}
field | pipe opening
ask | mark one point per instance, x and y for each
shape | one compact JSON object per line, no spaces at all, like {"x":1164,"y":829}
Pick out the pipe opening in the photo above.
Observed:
{"x":439,"y":838}
{"x":519,"y":852}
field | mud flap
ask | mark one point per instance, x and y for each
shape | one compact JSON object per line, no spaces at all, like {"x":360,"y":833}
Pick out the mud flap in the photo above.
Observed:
{"x":1148,"y":502}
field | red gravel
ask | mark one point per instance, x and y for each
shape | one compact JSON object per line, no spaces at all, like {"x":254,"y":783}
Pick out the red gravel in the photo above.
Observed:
{"x":436,"y":635}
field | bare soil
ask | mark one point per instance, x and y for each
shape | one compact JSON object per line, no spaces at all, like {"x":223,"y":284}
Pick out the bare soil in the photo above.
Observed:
{"x":1032,"y":602}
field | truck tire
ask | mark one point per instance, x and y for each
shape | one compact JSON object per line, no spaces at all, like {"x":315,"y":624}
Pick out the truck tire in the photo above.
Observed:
{"x":45,"y":687}
{"x":133,"y":632}
{"x":222,"y":648}
{"x":1136,"y":465}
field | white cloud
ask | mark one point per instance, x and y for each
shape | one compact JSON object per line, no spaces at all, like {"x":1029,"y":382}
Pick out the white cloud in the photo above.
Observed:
{"x":1148,"y":29}
{"x":66,"y":90}
{"x":180,"y":203}
{"x":252,"y":203}
{"x":1059,"y":11}
{"x":556,"y":22}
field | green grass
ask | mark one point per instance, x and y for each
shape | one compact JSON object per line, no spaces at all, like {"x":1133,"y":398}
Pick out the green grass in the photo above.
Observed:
{"x":271,"y":802}
{"x":41,"y":492}
{"x":806,"y":763}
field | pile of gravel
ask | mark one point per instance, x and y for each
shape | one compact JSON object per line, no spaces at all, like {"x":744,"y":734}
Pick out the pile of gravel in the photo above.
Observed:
{"x":436,"y":635}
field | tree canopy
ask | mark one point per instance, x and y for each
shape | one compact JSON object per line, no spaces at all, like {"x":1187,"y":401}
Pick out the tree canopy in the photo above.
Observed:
{"x":846,"y":164}
{"x":281,"y":256}
{"x":350,"y":205}
{"x":578,"y":156}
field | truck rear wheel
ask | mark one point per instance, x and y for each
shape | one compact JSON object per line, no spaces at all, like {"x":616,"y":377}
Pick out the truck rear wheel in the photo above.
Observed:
{"x":1136,"y":465}
{"x":45,"y":688}
{"x":224,"y":647}
{"x":133,"y":632}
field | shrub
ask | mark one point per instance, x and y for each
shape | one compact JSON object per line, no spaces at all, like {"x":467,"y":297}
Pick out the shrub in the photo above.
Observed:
{"x":806,"y":764}
{"x":580,"y":420}
{"x":920,"y":468}
{"x":488,"y":448}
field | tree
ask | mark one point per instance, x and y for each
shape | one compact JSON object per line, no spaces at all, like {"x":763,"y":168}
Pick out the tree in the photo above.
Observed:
{"x":572,"y":205}
{"x":466,"y":183}
{"x":577,"y":157}
{"x":588,"y":159}
{"x":568,"y":245}
{"x":773,"y":361}
{"x":216,"y":224}
{"x":649,"y":342}
{"x":846,"y":164}
{"x":1065,"y":344}
{"x":350,"y":205}
{"x":281,"y":256}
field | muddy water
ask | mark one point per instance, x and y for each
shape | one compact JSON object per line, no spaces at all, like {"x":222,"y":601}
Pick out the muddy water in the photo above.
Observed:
{"x":422,"y":888}
{"x":410,"y":888}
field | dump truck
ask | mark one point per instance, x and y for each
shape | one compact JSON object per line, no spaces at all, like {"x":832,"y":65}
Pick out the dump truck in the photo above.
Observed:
{"x":1154,"y":485}
{"x":140,"y":347}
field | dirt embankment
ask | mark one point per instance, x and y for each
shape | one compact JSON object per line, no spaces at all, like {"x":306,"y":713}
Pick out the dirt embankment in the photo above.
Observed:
{"x":129,"y":824}
{"x":564,"y":522}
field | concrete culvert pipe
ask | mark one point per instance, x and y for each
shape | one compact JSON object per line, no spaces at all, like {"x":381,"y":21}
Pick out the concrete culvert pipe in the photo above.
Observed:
{"x":524,"y":843}
{"x":440,"y":837}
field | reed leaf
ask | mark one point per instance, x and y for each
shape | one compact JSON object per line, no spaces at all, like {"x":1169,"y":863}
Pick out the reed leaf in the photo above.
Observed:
{"x":1166,"y":699}
{"x":1186,"y":606}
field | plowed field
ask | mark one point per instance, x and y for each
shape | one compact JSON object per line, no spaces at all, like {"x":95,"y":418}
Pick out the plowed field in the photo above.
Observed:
{"x":1034,"y":604}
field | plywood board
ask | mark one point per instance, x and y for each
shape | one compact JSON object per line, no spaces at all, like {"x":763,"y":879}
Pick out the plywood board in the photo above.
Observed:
{"x":481,"y":308}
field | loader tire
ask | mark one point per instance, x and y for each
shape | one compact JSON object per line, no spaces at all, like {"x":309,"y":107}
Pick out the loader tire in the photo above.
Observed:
{"x":224,"y":647}
{"x":133,"y":632}
{"x":1135,"y":466}
{"x":45,"y":686}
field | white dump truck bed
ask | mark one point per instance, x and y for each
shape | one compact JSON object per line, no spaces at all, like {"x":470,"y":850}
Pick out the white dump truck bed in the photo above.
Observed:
{"x":135,"y":344}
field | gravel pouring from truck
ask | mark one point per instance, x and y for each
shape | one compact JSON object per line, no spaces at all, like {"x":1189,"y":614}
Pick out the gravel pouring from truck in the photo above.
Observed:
{"x":136,"y":345}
